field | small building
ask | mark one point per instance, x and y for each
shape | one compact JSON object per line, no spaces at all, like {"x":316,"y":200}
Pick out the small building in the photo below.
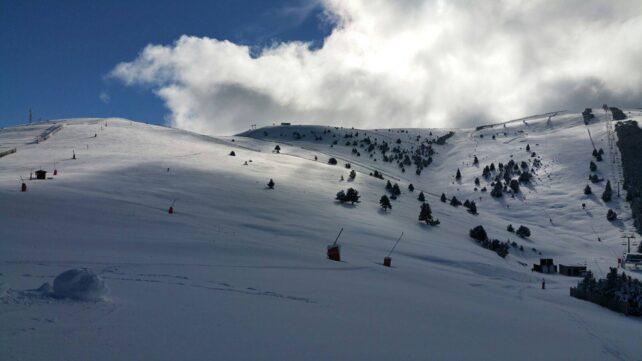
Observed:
{"x":572,"y":271}
{"x":41,"y":174}
{"x":286,"y":123}
{"x":545,"y":266}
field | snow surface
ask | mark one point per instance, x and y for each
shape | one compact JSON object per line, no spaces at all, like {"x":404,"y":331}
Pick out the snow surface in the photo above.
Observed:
{"x":239,"y":271}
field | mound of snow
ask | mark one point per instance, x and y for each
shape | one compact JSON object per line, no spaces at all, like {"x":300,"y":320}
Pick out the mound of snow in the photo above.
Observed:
{"x":80,"y":284}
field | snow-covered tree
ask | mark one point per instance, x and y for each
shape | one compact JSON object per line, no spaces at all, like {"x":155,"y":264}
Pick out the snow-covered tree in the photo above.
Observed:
{"x":271,"y":184}
{"x":421,"y":197}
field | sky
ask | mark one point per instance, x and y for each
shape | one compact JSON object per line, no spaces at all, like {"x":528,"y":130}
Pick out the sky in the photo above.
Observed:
{"x":56,"y":56}
{"x":218,"y":67}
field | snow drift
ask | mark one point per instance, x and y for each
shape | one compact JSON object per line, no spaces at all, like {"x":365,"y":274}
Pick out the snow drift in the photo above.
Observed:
{"x":79,"y":284}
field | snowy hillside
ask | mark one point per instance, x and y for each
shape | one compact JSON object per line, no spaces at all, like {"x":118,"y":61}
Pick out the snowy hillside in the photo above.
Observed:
{"x":239,"y":271}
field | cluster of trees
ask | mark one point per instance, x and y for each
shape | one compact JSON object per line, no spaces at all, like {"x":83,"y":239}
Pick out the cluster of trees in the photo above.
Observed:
{"x":598,"y":154}
{"x":376,"y":174}
{"x":630,"y":144}
{"x":509,"y":175}
{"x":587,"y":114}
{"x":393,"y":189}
{"x":351,"y":195}
{"x":615,"y":287}
{"x":470,"y":205}
{"x":522,"y":231}
{"x":479,"y":234}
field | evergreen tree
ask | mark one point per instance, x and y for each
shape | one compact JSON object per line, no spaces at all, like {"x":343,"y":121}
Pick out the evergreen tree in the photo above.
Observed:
{"x":271,"y":184}
{"x":592,"y":166}
{"x":611,"y":215}
{"x":608,"y":192}
{"x":385,"y":202}
{"x":497,"y":190}
{"x":477,"y":181}
{"x":486,"y":172}
{"x":514,"y":185}
{"x":425,"y":215}
{"x":353,"y":174}
{"x":523,"y":231}
{"x":411,"y":187}
{"x":478,"y":233}
{"x":528,"y":147}
{"x":396,"y":190}
{"x":389,"y":186}
{"x":421,"y":197}
{"x":443,"y":198}
{"x":475,"y":160}
{"x":510,"y":228}
{"x":458,"y":175}
{"x":277,"y":149}
{"x":587,"y":190}
{"x":455,"y":202}
{"x":232,"y":154}
{"x":332,"y":161}
{"x":472,"y":207}
{"x":352,"y":196}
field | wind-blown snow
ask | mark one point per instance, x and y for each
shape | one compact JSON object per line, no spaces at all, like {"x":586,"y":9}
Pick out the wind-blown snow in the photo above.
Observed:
{"x":239,"y":272}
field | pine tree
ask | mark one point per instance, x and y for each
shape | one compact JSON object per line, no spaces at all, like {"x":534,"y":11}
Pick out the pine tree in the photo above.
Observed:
{"x":232,"y":154}
{"x":396,"y":190}
{"x":497,"y":190}
{"x":528,"y":147}
{"x":385,"y":202}
{"x":608,"y":192}
{"x":477,"y":181}
{"x":478,"y":233}
{"x":421,"y":197}
{"x":271,"y":184}
{"x":352,"y":196}
{"x":611,"y":215}
{"x":458,"y":175}
{"x":353,"y":174}
{"x":514,"y":185}
{"x":389,"y":186}
{"x":523,"y":231}
{"x":587,"y":190}
{"x":475,"y":160}
{"x":455,"y":202}
{"x":411,"y":187}
{"x":425,"y":215}
{"x":510,"y":228}
{"x":277,"y":149}
{"x":443,"y":198}
{"x":332,"y":161}
{"x":472,"y":207}
{"x":592,"y":166}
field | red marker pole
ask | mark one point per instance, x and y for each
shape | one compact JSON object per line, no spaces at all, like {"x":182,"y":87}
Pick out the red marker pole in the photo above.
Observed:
{"x":171,"y":208}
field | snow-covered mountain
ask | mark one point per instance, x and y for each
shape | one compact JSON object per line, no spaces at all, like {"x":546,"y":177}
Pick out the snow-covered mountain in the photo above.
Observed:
{"x":239,"y":271}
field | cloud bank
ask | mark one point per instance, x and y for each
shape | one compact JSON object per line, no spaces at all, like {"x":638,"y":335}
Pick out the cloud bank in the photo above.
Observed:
{"x":407,"y":63}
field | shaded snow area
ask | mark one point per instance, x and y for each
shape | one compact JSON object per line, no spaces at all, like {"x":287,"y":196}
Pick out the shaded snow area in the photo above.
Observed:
{"x":239,"y":271}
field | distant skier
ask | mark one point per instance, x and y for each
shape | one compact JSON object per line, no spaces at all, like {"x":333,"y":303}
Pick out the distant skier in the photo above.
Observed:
{"x":271,"y":184}
{"x":543,"y":284}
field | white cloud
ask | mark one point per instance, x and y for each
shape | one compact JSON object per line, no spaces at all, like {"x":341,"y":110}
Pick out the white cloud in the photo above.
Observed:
{"x":104,"y":97}
{"x":407,"y":63}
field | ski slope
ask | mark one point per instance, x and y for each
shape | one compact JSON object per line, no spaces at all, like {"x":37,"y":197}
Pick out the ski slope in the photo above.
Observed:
{"x":239,"y":271}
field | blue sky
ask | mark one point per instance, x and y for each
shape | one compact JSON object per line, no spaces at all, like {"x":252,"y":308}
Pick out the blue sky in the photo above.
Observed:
{"x":55,"y":55}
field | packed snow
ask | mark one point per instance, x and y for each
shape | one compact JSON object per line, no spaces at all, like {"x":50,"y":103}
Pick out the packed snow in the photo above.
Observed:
{"x":238,"y":271}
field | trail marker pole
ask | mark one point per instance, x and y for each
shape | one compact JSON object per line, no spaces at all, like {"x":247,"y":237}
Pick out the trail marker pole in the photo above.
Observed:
{"x":171,"y":208}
